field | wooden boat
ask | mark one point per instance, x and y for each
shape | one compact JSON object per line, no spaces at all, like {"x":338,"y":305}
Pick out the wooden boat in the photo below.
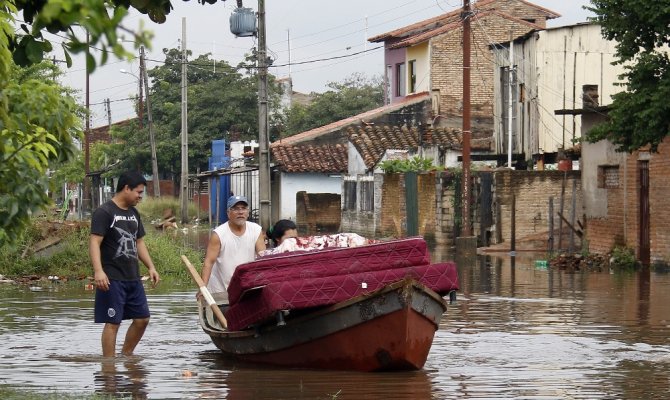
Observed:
{"x":391,"y":328}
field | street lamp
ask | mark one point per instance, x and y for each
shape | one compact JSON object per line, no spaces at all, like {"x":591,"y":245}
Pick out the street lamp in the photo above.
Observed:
{"x":154,"y":160}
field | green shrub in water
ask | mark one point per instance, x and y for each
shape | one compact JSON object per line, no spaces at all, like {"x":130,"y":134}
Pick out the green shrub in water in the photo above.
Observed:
{"x":623,"y":258}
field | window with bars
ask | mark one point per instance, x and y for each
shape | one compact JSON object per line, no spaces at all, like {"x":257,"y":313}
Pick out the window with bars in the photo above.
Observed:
{"x":349,"y":195}
{"x":412,"y":76}
{"x":400,"y":80}
{"x":367,"y":195}
{"x":608,"y":176}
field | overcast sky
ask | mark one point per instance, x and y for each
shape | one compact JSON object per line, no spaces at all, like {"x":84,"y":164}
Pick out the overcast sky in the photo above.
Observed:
{"x":317,"y":29}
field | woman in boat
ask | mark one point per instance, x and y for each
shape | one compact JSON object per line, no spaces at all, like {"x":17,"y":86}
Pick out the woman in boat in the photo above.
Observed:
{"x":282,"y":230}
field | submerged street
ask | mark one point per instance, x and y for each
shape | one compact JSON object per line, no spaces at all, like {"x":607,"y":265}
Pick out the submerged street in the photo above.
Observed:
{"x":520,"y":331}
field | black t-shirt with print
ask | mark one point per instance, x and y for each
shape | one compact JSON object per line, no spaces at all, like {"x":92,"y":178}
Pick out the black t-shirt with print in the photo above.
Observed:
{"x":120,"y":230}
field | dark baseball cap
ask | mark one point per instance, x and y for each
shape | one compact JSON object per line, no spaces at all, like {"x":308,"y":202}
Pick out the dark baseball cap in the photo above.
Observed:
{"x":232,"y":200}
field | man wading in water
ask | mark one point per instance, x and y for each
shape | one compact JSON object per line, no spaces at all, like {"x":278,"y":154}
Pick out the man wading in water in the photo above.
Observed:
{"x":116,"y":243}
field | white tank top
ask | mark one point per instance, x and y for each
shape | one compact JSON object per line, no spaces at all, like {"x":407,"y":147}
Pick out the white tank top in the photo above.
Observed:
{"x":235,"y":250}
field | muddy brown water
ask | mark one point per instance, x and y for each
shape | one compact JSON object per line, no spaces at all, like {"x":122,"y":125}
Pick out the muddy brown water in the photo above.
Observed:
{"x":516,"y":332}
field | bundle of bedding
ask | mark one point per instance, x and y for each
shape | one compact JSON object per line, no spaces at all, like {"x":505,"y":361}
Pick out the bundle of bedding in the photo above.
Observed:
{"x":307,"y":279}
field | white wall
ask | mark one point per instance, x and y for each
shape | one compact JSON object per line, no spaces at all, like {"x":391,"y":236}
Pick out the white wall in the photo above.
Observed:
{"x":310,"y":182}
{"x":553,"y":66}
{"x":568,"y":58}
{"x":355,"y":163}
{"x":237,"y":149}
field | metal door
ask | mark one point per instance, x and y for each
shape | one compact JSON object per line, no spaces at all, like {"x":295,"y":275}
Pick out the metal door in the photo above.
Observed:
{"x":644,"y":244}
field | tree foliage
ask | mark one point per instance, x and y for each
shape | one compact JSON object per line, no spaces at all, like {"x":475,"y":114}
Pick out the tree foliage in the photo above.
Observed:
{"x":38,"y":119}
{"x":38,"y":130}
{"x":640,"y":115}
{"x":222,"y":104}
{"x":354,"y":95}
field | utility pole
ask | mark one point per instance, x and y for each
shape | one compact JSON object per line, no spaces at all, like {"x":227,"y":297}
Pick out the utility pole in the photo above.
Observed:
{"x":85,"y":201}
{"x":140,"y":104}
{"x":150,"y":122}
{"x":466,"y":229}
{"x":183,"y":192}
{"x":288,"y":42}
{"x":109,"y":114}
{"x":263,"y":139}
{"x":510,"y":106}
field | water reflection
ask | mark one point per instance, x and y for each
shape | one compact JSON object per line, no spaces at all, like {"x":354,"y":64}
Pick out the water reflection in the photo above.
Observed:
{"x":517,"y":331}
{"x":122,"y":377}
{"x":244,"y":381}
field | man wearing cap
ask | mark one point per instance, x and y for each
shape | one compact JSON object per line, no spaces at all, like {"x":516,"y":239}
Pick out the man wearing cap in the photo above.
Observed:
{"x":232,"y":243}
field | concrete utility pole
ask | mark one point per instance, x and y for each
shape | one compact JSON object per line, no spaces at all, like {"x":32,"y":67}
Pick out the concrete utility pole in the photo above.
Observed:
{"x":85,"y":201}
{"x":150,"y":123}
{"x":263,"y":139}
{"x":466,"y":229}
{"x":183,"y":193}
{"x":510,"y":106}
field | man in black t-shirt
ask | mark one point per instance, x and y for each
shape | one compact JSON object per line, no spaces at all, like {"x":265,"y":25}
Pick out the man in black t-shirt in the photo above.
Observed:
{"x":115,"y":246}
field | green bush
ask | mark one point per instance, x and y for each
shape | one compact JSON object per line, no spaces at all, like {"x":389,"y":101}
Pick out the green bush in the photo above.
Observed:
{"x":623,"y":258}
{"x":415,"y":164}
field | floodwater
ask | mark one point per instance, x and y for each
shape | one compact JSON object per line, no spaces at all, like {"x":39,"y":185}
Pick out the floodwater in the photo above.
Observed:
{"x":517,"y":331}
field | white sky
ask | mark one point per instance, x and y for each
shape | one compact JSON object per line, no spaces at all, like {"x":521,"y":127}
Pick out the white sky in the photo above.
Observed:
{"x":317,"y":29}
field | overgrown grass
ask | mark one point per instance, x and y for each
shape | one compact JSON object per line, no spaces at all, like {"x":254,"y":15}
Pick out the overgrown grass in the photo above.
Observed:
{"x":10,"y":393}
{"x":153,"y":209}
{"x":69,"y":258}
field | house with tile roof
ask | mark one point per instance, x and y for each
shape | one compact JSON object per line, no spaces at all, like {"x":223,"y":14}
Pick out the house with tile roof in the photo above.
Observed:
{"x":304,"y":170}
{"x":313,"y":162}
{"x":566,"y":67}
{"x":427,"y":56}
{"x":342,"y":158}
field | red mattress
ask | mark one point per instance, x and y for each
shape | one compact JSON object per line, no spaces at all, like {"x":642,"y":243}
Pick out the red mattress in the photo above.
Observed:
{"x":294,"y":294}
{"x":296,"y":266}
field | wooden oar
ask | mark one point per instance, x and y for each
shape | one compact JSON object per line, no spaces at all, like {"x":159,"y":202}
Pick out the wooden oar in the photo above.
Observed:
{"x":205,"y":293}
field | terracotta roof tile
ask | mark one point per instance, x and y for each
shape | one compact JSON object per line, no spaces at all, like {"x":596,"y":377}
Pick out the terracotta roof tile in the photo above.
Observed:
{"x":373,"y":141}
{"x":451,"y":17}
{"x":454,"y":26}
{"x":356,"y":119}
{"x":308,"y":158}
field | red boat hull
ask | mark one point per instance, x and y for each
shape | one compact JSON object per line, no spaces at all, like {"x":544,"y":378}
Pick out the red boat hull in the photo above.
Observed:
{"x":406,"y":337}
{"x":389,"y":329}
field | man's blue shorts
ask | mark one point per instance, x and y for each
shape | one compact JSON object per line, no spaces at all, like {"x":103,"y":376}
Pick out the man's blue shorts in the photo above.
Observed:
{"x":123,"y":300}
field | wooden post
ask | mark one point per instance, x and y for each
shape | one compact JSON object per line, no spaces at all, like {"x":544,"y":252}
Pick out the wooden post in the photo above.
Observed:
{"x":513,"y":223}
{"x":572,"y":215}
{"x":550,"y":241}
{"x":560,"y":222}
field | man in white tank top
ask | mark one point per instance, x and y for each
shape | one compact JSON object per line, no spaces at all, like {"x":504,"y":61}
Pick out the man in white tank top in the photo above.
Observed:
{"x":232,"y":243}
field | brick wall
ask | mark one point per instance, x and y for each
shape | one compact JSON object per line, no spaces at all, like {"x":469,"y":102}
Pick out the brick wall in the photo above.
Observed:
{"x":393,"y":213}
{"x":447,"y":59}
{"x":445,"y":213}
{"x":532,"y":190}
{"x":392,"y":210}
{"x":166,"y":187}
{"x":621,"y":226}
{"x":317,"y":213}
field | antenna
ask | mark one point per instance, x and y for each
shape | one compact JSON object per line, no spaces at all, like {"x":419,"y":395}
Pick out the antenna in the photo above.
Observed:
{"x":288,"y":41}
{"x":365,"y":39}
